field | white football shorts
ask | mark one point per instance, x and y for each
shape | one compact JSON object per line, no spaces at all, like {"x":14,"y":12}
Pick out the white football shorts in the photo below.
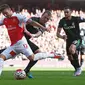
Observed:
{"x":20,"y":47}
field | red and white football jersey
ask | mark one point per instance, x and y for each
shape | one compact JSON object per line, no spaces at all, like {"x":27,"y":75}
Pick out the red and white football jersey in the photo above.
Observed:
{"x":14,"y":26}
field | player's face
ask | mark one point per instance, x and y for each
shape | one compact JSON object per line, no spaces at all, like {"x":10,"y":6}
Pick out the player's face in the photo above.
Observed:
{"x":7,"y":12}
{"x":45,"y":17}
{"x":67,"y":13}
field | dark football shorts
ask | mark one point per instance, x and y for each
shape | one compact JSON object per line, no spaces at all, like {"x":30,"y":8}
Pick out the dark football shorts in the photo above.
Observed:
{"x":75,"y":42}
{"x":33,"y":46}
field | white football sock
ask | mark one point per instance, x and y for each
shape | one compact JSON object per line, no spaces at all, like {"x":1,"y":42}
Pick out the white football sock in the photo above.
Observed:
{"x":1,"y":65}
{"x":43,"y":55}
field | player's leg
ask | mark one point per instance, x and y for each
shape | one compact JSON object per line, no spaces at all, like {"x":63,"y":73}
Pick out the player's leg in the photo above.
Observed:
{"x":6,"y":54}
{"x":2,"y":59}
{"x":40,"y":56}
{"x":74,"y":53}
{"x":81,"y":60}
{"x":71,"y":57}
{"x":77,"y":65}
{"x":35,"y":50}
{"x":82,"y":52}
{"x":28,"y":67}
{"x":26,"y":50}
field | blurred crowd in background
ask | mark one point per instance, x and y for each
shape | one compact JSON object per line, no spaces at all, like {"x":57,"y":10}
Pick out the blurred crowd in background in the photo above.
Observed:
{"x":47,"y":42}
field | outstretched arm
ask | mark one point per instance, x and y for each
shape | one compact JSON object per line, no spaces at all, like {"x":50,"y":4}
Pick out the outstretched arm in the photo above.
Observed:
{"x":32,"y":35}
{"x":24,"y":19}
{"x":34,"y":23}
{"x":26,"y":31}
{"x":37,"y":34}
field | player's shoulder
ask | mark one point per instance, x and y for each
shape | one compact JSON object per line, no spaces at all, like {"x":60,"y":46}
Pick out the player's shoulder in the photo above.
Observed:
{"x":62,"y":20}
{"x":35,"y":18}
{"x":17,"y":14}
{"x":75,"y":17}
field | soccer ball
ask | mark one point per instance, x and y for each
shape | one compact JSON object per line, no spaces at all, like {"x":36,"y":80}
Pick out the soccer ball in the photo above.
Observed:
{"x":19,"y":74}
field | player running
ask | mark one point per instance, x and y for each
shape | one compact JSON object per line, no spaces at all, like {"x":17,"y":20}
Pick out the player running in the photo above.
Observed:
{"x":70,"y":25}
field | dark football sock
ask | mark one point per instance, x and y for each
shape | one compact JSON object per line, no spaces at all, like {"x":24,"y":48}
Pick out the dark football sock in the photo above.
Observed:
{"x":73,"y":63}
{"x":76,"y":61}
{"x":29,"y":66}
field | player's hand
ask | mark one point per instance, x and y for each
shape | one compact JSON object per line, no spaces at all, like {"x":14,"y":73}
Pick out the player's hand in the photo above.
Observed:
{"x":48,"y":29}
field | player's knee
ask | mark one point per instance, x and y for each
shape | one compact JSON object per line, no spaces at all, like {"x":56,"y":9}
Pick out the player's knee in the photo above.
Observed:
{"x":72,"y":49}
{"x":31,"y":57}
{"x":37,"y":51}
{"x":2,"y":56}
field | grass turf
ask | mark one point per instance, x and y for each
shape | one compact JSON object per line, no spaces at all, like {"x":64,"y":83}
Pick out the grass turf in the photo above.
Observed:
{"x":44,"y":78}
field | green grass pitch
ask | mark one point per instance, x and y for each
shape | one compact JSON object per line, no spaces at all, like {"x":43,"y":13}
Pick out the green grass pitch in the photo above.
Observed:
{"x":49,"y":77}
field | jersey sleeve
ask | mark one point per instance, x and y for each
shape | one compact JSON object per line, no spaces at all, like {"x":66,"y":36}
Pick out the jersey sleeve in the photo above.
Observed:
{"x":22,"y":18}
{"x":60,"y":25}
{"x":1,"y":21}
{"x":81,"y":19}
{"x":33,"y":18}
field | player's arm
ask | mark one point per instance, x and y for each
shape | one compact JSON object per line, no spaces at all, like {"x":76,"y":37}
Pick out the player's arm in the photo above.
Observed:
{"x":60,"y":27}
{"x":34,"y":23}
{"x":58,"y":33}
{"x":24,"y":19}
{"x":30,"y":34}
{"x":37,"y":34}
{"x":64,"y":37}
{"x":26,"y":31}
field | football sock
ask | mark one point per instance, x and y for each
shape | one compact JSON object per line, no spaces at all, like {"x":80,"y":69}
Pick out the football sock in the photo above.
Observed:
{"x":73,"y":63}
{"x":75,"y":56}
{"x":29,"y":66}
{"x":1,"y":65}
{"x":43,"y":55}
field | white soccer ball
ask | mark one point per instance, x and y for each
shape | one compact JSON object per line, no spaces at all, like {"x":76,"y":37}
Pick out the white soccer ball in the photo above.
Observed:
{"x":19,"y":74}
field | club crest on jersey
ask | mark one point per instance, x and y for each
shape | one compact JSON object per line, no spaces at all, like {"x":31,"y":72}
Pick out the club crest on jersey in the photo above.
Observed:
{"x":5,"y":21}
{"x":10,"y":26}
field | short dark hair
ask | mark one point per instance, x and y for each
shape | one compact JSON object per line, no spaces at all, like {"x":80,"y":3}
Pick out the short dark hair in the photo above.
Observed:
{"x":67,"y":8}
{"x":3,"y":7}
{"x":48,"y":12}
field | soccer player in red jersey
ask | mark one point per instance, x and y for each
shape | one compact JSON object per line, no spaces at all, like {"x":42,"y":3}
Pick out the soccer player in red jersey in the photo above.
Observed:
{"x":13,"y":23}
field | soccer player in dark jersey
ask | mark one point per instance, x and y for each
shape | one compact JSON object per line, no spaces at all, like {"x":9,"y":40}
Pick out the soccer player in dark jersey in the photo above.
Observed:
{"x":46,"y":16}
{"x":70,"y":25}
